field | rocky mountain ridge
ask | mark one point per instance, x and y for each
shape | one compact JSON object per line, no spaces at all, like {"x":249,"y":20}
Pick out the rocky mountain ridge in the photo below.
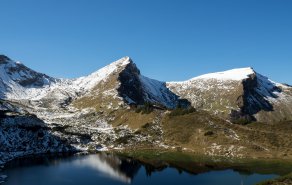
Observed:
{"x":233,"y":94}
{"x":116,"y":107}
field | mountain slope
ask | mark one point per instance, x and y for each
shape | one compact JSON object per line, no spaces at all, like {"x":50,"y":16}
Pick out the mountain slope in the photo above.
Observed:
{"x":237,"y":94}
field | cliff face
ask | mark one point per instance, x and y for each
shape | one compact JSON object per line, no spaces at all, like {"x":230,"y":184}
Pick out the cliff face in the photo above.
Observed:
{"x":130,"y":85}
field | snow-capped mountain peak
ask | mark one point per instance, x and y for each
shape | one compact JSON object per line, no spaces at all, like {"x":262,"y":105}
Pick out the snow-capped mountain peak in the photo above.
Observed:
{"x":233,"y":74}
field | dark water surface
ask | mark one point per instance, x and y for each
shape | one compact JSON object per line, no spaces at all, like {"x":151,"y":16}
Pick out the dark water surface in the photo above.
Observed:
{"x":110,"y":169}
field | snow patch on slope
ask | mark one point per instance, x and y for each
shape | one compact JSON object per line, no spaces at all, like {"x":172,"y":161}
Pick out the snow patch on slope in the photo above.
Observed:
{"x":234,"y":74}
{"x":238,"y":74}
{"x":272,"y":91}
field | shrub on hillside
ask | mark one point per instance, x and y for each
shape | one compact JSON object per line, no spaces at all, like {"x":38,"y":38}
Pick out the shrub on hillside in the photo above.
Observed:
{"x":145,"y":109}
{"x":237,"y":117}
{"x":209,"y":133}
{"x":182,"y":111}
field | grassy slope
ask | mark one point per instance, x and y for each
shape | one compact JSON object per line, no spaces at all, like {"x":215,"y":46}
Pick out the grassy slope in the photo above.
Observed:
{"x":212,"y":95}
{"x":132,"y":119}
{"x":198,"y":131}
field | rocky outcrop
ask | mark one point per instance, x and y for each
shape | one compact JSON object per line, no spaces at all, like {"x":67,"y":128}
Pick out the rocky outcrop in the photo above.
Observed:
{"x":130,"y":88}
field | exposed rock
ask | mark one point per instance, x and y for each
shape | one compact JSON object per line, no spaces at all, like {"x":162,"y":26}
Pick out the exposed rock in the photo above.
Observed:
{"x":131,"y":88}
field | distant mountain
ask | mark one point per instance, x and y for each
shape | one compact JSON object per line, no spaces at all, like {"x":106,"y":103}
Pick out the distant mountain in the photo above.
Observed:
{"x":16,"y":78}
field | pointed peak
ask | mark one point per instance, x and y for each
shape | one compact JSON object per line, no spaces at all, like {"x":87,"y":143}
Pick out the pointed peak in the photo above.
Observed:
{"x":233,"y":74}
{"x":104,"y":73}
{"x":123,"y":61}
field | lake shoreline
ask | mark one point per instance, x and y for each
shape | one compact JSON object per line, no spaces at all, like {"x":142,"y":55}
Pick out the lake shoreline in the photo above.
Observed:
{"x":160,"y":159}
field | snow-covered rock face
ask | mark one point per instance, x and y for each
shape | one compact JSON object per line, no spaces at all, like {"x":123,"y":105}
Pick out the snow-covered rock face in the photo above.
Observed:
{"x":15,"y":78}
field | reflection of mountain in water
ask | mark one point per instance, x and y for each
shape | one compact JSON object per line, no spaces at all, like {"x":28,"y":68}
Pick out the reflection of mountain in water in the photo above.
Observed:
{"x":111,"y":166}
{"x":124,"y":169}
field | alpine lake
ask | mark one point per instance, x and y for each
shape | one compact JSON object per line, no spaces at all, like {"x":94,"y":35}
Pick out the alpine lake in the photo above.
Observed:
{"x":140,"y":167}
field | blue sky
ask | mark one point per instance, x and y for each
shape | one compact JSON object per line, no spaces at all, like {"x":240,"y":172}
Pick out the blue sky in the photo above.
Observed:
{"x":168,"y":39}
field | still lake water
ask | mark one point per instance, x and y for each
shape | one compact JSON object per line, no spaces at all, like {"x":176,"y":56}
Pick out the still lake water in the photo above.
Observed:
{"x":106,"y":169}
